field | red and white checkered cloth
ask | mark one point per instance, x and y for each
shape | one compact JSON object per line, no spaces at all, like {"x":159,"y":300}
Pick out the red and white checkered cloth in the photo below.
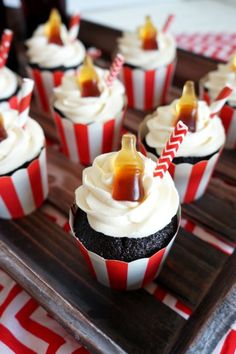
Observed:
{"x":214,"y":45}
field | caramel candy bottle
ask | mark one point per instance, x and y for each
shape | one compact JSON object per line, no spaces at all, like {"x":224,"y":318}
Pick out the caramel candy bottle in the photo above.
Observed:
{"x":53,"y":28}
{"x":88,"y":79}
{"x":187,"y":106}
{"x":128,"y":172}
{"x":148,"y":34}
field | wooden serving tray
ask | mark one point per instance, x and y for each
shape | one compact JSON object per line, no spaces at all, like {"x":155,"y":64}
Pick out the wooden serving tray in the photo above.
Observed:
{"x":166,"y":316}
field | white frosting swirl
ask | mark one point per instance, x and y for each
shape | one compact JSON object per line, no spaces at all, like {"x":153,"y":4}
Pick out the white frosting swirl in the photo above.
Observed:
{"x":8,"y":83}
{"x":130,"y":46}
{"x":21,"y":145}
{"x":208,"y":138}
{"x":89,"y":109}
{"x":219,"y":78}
{"x":49,"y":55}
{"x":121,"y":218}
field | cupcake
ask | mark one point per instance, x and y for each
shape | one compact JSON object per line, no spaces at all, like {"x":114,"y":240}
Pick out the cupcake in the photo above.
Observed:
{"x":9,"y":81}
{"x":194,"y":162}
{"x":88,"y":113}
{"x":210,"y":87}
{"x":124,"y":219}
{"x":51,"y":53}
{"x":23,"y":174}
{"x":149,"y":65}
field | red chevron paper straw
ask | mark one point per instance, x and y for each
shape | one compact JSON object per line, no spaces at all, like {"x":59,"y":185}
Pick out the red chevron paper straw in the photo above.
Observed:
{"x":168,"y":23}
{"x":115,"y":69}
{"x":170,"y":150}
{"x":74,"y":27}
{"x":24,"y":100}
{"x":5,"y":46}
{"x":220,"y":100}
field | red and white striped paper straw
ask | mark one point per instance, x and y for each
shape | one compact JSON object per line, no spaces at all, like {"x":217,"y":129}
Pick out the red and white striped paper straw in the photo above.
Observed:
{"x":168,"y":23}
{"x":5,"y":46}
{"x":115,"y":69}
{"x":24,"y":100}
{"x":220,"y":101}
{"x":170,"y":150}
{"x":74,"y":27}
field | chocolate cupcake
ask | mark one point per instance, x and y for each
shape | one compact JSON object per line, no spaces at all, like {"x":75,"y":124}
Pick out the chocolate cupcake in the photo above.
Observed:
{"x":195,"y":160}
{"x":124,"y":233}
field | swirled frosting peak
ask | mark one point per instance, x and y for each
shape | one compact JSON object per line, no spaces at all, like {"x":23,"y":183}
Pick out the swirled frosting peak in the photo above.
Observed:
{"x":208,"y":138}
{"x":22,"y":144}
{"x":122,"y":218}
{"x":130,"y":46}
{"x":79,"y":109}
{"x":50,"y":55}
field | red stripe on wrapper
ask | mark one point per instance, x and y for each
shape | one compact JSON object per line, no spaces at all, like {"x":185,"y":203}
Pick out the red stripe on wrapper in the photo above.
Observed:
{"x":82,"y":143}
{"x":61,"y":133}
{"x":13,"y":102}
{"x":194,"y":181}
{"x":42,"y":94}
{"x":36,"y":182}
{"x":206,"y":97}
{"x":87,"y":258}
{"x":149,"y":88}
{"x":108,"y":134}
{"x":171,"y":170}
{"x":10,"y":197}
{"x":57,"y":77}
{"x":117,"y":273}
{"x":169,"y":71}
{"x":226,"y":116}
{"x":128,"y":80}
{"x":152,"y":267}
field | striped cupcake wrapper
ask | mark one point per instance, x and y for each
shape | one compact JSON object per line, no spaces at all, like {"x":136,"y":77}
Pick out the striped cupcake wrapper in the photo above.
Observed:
{"x":25,"y":190}
{"x":122,"y":275}
{"x":147,"y":89}
{"x":83,"y":142}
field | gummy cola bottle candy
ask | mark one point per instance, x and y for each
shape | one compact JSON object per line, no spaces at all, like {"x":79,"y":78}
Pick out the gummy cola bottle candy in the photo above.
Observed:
{"x":53,"y":28}
{"x":128,"y":172}
{"x":3,"y":133}
{"x":148,"y":35}
{"x":187,"y":106}
{"x":88,"y":79}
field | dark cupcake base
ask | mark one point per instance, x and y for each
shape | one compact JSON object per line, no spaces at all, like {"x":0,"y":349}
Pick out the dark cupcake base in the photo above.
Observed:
{"x":57,"y":68}
{"x":121,"y":248}
{"x":182,"y":159}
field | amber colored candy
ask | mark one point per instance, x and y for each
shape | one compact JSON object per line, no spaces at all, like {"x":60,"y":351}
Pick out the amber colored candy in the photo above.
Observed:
{"x":187,"y":106}
{"x":88,"y":79}
{"x":233,"y":65}
{"x":53,"y":28}
{"x":148,"y":35}
{"x":128,"y":172}
{"x":3,"y":133}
